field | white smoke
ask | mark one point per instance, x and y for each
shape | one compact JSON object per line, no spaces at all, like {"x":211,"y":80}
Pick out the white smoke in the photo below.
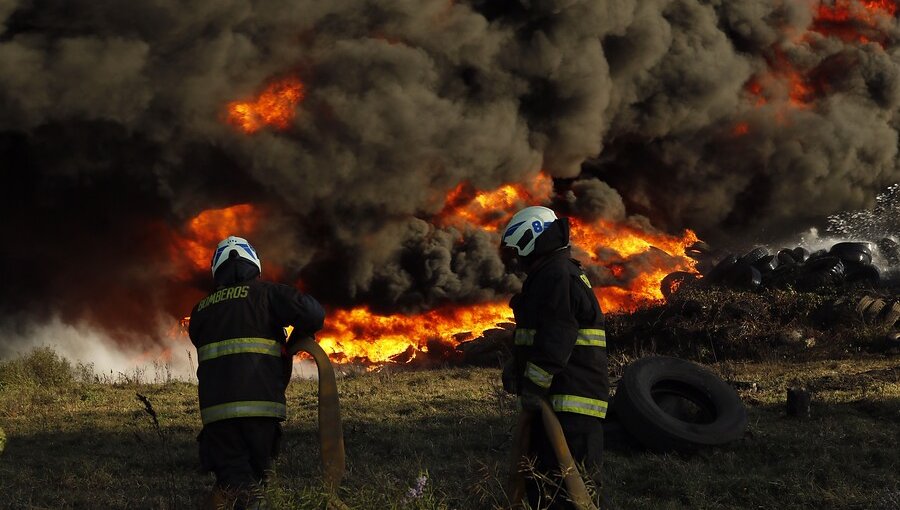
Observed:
{"x":170,"y":358}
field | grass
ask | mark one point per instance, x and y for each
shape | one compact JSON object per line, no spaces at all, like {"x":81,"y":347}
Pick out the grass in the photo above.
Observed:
{"x":79,"y":441}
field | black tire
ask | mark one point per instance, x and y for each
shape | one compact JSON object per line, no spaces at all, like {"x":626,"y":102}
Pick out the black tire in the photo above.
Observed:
{"x":710,"y":413}
{"x":816,"y":255}
{"x":766,"y":264}
{"x":754,"y":256}
{"x":699,"y":250}
{"x":821,"y":273}
{"x":720,"y":269}
{"x":863,"y":304}
{"x":786,"y":258}
{"x":870,"y":316}
{"x":890,"y":315}
{"x":854,"y":253}
{"x":859,"y":273}
{"x":742,"y":276}
{"x":801,"y":254}
{"x":825,"y":264}
{"x":673,"y":281}
{"x":783,"y":276}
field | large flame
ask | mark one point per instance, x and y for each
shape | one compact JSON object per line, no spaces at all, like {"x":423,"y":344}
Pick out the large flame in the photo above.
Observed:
{"x":276,"y":106}
{"x":614,"y":245}
{"x":361,"y":335}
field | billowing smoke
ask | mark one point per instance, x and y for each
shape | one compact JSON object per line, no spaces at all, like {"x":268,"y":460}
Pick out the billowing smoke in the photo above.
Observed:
{"x":736,"y":118}
{"x":752,"y":117}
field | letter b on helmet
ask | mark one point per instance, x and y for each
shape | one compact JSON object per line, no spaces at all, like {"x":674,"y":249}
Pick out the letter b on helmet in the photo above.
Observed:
{"x":525,"y":227}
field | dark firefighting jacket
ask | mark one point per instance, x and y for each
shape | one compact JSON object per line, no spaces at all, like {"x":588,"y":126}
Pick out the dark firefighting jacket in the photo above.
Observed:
{"x":239,"y":336}
{"x":560,"y":342}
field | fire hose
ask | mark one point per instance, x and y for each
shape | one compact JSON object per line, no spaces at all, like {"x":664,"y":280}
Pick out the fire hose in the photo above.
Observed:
{"x":331,"y":435}
{"x":575,"y":487}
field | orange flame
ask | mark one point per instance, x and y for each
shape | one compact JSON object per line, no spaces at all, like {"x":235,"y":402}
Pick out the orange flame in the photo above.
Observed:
{"x":205,"y":230}
{"x":740,"y":129}
{"x":359,"y":334}
{"x":619,"y":242}
{"x":854,"y":21}
{"x":868,"y":12}
{"x":275,"y":106}
{"x":486,"y":210}
{"x":792,"y":87}
{"x":626,"y":240}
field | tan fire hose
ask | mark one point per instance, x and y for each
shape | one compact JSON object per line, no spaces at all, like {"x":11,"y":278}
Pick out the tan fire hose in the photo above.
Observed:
{"x":575,"y":487}
{"x":331,"y":435}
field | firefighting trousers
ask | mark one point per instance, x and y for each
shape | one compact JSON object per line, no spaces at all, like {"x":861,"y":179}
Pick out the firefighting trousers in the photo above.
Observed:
{"x":239,"y":451}
{"x":584,"y":435}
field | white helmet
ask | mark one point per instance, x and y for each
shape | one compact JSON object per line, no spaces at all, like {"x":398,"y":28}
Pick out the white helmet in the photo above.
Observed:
{"x":525,"y":227}
{"x":237,"y":244}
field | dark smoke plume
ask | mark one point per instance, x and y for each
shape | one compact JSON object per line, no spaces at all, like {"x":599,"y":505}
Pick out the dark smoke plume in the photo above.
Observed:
{"x":112,"y":136}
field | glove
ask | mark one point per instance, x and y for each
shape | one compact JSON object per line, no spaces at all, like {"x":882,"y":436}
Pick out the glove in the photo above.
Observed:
{"x":531,"y":397}
{"x":510,"y":378}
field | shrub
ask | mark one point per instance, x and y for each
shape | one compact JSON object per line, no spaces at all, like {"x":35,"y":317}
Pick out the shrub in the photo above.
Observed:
{"x":42,"y":367}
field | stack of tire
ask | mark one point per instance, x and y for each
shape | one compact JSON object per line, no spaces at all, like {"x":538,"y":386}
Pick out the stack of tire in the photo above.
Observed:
{"x":670,"y":404}
{"x":874,"y":311}
{"x":843,"y":263}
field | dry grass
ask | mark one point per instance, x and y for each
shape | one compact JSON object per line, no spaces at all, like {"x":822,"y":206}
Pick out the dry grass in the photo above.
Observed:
{"x":79,"y":443}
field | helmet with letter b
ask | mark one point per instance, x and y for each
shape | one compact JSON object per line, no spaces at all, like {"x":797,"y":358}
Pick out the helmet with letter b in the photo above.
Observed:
{"x":525,"y":227}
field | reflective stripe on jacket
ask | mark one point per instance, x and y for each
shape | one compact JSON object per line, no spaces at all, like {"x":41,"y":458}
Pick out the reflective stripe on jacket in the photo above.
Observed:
{"x":238,"y":334}
{"x":238,"y":346}
{"x":588,"y":337}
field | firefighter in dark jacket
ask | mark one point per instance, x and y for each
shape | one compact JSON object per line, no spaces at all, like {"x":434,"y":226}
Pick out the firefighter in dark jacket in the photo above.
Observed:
{"x":560,"y":343}
{"x":244,"y":367}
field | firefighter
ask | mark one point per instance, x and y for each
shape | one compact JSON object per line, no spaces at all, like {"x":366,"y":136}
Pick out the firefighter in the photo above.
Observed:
{"x":560,"y":344}
{"x":244,"y":368}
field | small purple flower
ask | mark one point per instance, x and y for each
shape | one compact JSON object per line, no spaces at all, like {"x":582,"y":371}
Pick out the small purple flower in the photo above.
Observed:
{"x":417,"y":491}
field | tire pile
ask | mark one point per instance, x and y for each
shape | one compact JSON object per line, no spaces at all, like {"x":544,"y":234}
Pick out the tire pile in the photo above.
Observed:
{"x":844,"y":263}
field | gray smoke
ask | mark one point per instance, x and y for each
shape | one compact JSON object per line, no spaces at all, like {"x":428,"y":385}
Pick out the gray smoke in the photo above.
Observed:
{"x":681,"y":78}
{"x":112,"y":135}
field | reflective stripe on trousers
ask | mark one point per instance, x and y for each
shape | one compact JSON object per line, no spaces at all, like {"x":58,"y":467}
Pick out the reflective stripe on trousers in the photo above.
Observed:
{"x":586,"y":337}
{"x":581,"y":405}
{"x":239,"y":346}
{"x":245,"y":409}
